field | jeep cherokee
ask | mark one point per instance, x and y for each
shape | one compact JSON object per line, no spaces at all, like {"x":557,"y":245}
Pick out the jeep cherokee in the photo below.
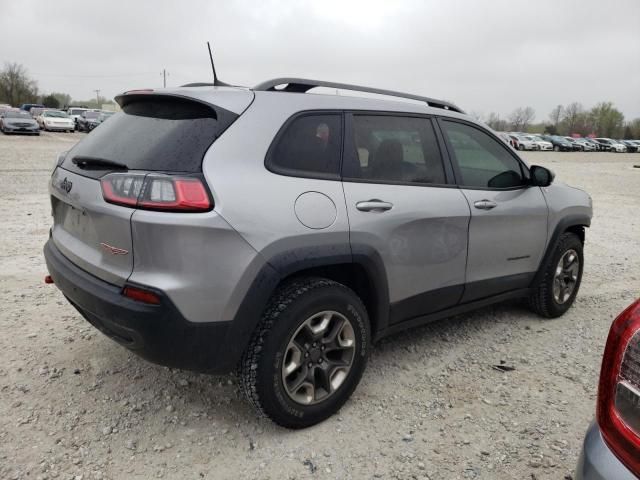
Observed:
{"x":280,"y":233}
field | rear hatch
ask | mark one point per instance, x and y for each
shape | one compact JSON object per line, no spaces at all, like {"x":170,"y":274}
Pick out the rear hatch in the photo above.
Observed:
{"x":156,"y":136}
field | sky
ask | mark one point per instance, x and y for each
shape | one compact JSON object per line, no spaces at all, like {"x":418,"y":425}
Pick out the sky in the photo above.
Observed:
{"x":485,"y":56}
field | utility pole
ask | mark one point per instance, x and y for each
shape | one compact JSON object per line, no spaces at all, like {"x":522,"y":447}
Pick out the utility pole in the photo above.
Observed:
{"x":164,"y":78}
{"x":97,"y":98}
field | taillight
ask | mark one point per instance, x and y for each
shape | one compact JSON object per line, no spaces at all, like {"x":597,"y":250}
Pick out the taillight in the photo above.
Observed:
{"x":156,"y":192}
{"x":619,"y":390}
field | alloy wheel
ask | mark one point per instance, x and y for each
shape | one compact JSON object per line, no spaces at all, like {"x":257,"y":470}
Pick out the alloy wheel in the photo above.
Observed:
{"x":318,"y":357}
{"x":565,"y":277}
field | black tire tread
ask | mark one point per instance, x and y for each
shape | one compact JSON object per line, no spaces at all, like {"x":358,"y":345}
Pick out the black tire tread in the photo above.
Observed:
{"x":541,"y":297}
{"x":282,"y":298}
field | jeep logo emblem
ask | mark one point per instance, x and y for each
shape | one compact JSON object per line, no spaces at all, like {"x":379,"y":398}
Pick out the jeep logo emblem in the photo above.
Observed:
{"x":66,"y":185}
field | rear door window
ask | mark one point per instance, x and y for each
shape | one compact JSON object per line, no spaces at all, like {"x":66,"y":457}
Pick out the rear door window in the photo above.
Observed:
{"x":309,"y":146}
{"x":154,"y":133}
{"x":394,"y":149}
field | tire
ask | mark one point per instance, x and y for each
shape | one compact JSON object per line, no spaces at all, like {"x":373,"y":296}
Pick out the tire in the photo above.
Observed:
{"x":520,"y":147}
{"x":261,"y":370}
{"x":543,"y":300}
{"x":556,"y":148}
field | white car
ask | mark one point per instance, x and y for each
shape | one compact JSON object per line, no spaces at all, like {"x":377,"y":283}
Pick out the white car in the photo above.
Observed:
{"x":542,"y":144}
{"x":615,"y":146}
{"x":56,"y":120}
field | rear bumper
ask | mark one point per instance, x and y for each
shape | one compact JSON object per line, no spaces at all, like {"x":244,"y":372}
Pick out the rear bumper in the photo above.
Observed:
{"x":158,"y":333}
{"x":597,"y":462}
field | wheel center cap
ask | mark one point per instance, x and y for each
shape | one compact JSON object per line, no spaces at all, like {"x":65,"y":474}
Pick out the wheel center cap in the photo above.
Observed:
{"x":315,"y":354}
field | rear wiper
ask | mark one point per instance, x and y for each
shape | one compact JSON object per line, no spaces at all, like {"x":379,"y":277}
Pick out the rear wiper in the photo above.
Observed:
{"x":95,"y":162}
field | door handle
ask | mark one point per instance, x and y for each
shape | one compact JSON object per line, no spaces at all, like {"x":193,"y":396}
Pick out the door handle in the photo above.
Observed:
{"x":485,"y":204}
{"x":374,"y":205}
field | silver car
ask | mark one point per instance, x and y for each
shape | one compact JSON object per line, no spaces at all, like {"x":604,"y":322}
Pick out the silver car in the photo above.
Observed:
{"x":280,"y":233}
{"x":611,"y":449}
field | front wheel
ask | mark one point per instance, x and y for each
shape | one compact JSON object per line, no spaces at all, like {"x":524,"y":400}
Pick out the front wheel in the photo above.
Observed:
{"x":556,"y":148}
{"x":308,"y":352}
{"x":561,"y":278}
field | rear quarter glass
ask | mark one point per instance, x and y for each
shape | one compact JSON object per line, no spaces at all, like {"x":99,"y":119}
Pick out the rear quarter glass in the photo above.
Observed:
{"x":154,"y":133}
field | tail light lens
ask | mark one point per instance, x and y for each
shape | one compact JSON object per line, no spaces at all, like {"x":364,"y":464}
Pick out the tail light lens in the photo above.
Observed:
{"x":618,"y":410}
{"x":156,"y":192}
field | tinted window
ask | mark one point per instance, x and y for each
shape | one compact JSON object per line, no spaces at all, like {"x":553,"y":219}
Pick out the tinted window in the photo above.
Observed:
{"x":482,"y":161}
{"x":155,"y":133}
{"x":394,"y":149}
{"x":309,"y":146}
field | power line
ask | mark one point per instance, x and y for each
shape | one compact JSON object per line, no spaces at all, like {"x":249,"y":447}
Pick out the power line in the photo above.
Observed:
{"x":91,"y":76}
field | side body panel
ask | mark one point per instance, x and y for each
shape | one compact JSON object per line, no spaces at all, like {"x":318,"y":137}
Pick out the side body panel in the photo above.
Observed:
{"x":198,"y":260}
{"x":506,"y":242}
{"x":422,"y":241}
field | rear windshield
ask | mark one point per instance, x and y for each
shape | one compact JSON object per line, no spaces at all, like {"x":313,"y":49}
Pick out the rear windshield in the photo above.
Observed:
{"x":154,"y":133}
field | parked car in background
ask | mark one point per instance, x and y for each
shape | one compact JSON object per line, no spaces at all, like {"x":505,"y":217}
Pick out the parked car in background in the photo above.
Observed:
{"x":56,"y":120}
{"x":614,"y":146}
{"x":505,"y":138}
{"x":521,"y":142}
{"x":586,"y":145}
{"x":560,"y":144}
{"x":599,"y":146}
{"x":36,"y":111}
{"x":611,"y":448}
{"x":103,"y":117}
{"x":12,"y":121}
{"x":577,"y":147}
{"x":28,"y":106}
{"x":632,"y":146}
{"x":75,"y":112}
{"x":87,"y":121}
{"x":542,"y":144}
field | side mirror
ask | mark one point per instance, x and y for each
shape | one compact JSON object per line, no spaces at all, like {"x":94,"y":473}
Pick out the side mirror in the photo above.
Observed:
{"x":540,"y":176}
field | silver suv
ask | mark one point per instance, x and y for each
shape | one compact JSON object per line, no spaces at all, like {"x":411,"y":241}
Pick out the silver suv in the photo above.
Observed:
{"x":282,"y":232}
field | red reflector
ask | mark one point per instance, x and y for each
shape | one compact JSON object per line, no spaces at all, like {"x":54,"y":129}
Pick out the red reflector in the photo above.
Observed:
{"x":141,"y":295}
{"x":48,"y":279}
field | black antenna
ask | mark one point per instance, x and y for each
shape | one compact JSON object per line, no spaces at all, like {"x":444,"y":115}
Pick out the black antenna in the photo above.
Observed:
{"x":213,"y":67}
{"x":216,"y":82}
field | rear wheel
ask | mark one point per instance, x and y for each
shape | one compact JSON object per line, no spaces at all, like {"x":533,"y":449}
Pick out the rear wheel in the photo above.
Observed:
{"x":521,"y":147}
{"x":556,"y":148}
{"x":308,"y":353}
{"x":561,"y":279}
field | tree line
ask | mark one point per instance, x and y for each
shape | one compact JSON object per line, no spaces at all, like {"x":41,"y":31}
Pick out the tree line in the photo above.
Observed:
{"x":16,"y":88}
{"x":602,"y":120}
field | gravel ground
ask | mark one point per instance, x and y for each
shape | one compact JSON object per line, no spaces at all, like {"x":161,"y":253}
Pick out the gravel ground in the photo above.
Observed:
{"x":73,"y":404}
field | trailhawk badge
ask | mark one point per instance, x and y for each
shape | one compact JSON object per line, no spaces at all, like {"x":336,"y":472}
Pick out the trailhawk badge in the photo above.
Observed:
{"x":114,"y":250}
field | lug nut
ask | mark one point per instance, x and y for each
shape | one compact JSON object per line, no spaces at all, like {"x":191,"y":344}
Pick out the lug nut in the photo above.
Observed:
{"x":319,"y":360}
{"x":322,"y":347}
{"x":306,"y":354}
{"x":310,"y":365}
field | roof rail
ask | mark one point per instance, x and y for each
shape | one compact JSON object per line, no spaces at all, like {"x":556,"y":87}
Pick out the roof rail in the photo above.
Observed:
{"x":302,"y":85}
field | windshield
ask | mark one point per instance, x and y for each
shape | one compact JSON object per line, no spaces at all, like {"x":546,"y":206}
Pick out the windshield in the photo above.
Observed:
{"x":24,"y":115}
{"x":55,"y":114}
